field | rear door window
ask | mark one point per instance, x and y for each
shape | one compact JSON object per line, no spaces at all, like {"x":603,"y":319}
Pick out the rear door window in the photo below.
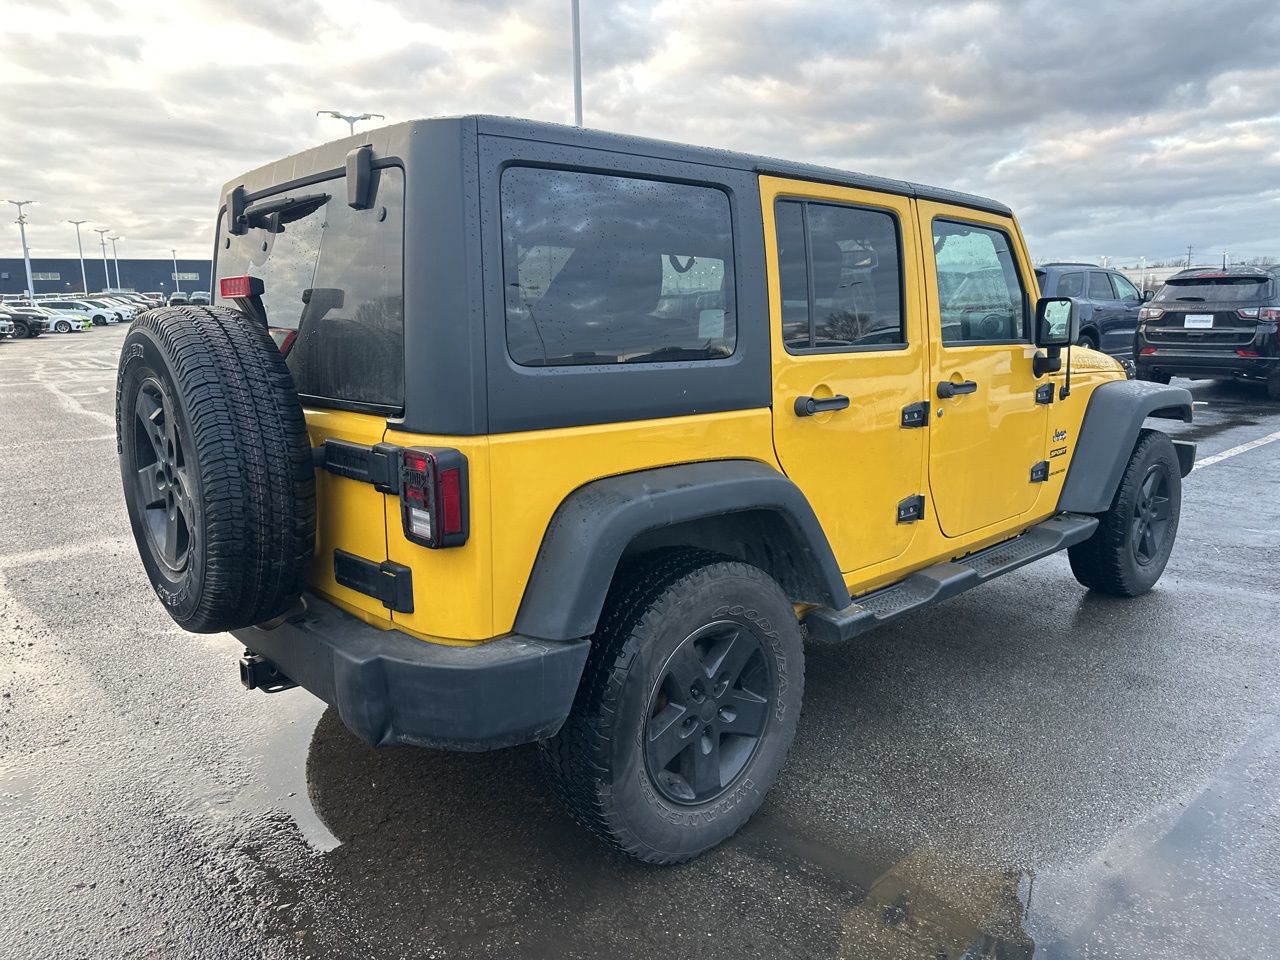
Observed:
{"x":333,"y":280}
{"x":1071,"y":285}
{"x":1100,"y":286}
{"x":603,"y":269}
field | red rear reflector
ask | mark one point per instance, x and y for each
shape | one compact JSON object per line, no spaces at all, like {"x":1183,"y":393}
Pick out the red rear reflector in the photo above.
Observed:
{"x":1147,"y":351}
{"x":451,"y":501}
{"x":239,"y":288}
{"x":1246,"y":352}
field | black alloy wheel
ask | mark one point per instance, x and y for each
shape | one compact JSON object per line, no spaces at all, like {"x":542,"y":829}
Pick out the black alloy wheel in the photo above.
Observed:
{"x":1151,"y":515}
{"x":708,"y":712}
{"x":161,"y":455}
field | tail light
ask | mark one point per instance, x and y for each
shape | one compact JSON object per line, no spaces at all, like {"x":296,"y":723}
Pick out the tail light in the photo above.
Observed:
{"x":1146,"y":351}
{"x":1262,"y":314}
{"x":433,"y":496}
{"x":1246,"y":352}
{"x":1150,"y":313}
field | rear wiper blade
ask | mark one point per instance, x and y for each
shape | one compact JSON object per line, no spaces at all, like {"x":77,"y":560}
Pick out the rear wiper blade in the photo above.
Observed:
{"x":273,"y":214}
{"x":1191,"y":299}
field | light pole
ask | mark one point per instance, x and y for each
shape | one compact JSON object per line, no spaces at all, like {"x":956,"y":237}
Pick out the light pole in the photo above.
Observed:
{"x":577,"y":66}
{"x":351,"y":120}
{"x":116,"y":257}
{"x":26,"y":255}
{"x":106,"y":271}
{"x":177,"y":286}
{"x":84,"y":280}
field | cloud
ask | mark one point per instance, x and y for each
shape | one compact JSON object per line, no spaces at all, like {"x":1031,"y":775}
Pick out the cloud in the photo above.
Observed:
{"x":1125,"y":132}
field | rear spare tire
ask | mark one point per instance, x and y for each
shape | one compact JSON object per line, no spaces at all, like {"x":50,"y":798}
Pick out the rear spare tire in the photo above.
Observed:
{"x":216,"y":466}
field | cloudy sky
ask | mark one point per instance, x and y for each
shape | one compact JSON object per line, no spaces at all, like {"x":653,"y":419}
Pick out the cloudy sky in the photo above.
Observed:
{"x":1113,"y":129}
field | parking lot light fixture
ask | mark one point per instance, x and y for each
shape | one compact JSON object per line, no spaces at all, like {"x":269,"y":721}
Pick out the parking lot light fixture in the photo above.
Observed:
{"x":26,"y":254}
{"x":177,"y":284}
{"x":116,"y":257}
{"x":106,"y":270}
{"x":351,"y":120}
{"x":84,"y":280}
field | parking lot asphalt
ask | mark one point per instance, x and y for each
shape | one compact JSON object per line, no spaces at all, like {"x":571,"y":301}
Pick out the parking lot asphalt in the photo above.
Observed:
{"x":1025,"y":770}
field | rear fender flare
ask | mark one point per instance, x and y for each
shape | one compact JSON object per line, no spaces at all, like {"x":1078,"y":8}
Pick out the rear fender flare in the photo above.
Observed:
{"x":1108,"y":434}
{"x":594,"y":526}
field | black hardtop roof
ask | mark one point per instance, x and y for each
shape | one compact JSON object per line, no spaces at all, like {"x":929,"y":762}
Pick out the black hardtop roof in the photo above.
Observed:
{"x":395,"y":140}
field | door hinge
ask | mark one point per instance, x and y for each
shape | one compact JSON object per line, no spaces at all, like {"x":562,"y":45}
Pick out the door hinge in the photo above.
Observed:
{"x":392,"y":583}
{"x":1044,"y":393}
{"x":916,"y":414}
{"x":1040,"y":472}
{"x":911,"y":509}
{"x":378,"y":465}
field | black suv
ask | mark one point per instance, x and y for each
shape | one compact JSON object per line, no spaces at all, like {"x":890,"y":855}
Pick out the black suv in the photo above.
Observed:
{"x":1208,"y":323}
{"x":1106,"y":302}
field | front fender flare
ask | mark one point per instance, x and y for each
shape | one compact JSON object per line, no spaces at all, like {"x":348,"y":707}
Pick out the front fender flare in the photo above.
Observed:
{"x":594,"y":525}
{"x":1108,"y":434}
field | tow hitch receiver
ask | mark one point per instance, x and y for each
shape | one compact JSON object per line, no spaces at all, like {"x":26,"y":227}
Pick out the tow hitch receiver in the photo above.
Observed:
{"x":259,"y":673}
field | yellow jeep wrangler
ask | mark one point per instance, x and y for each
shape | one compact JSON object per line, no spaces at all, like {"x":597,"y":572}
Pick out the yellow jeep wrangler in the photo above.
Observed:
{"x":502,"y":432}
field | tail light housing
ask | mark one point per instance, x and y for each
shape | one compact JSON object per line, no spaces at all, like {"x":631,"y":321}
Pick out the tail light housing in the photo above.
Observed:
{"x":240,"y":288}
{"x":434,"y":508}
{"x":1150,"y":313}
{"x":1261,"y":314}
{"x":1146,"y":351}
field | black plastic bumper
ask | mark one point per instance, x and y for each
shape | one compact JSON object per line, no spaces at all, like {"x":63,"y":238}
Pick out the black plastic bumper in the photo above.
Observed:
{"x":391,"y":688}
{"x":1208,"y":365}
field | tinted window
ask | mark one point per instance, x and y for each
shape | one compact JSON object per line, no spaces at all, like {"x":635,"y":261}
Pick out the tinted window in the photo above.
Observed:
{"x":1100,"y":286}
{"x":1124,"y":289}
{"x":603,"y":269}
{"x":1071,"y":285}
{"x":841,"y":276}
{"x":334,"y":290}
{"x":1215,"y":289}
{"x":980,"y":295}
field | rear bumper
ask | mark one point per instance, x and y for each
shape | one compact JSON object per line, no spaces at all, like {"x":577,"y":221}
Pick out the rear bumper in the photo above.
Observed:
{"x":1207,"y":364}
{"x":390,"y":688}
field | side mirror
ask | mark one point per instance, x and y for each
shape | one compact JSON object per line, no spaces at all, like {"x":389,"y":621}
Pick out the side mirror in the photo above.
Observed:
{"x":1147,"y":295}
{"x":1057,"y":324}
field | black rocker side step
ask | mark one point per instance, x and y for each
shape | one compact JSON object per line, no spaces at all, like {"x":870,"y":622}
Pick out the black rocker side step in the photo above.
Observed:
{"x":944,"y":580}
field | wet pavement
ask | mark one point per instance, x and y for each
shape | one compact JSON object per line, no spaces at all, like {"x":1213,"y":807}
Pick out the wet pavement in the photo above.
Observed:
{"x":1024,"y":771}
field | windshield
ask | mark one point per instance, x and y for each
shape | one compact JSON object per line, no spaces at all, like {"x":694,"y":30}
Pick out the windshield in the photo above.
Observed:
{"x":333,"y":287}
{"x":1240,"y":289}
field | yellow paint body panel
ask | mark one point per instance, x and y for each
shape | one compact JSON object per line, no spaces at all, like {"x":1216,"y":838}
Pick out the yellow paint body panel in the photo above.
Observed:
{"x":972,"y":463}
{"x":348,"y":512}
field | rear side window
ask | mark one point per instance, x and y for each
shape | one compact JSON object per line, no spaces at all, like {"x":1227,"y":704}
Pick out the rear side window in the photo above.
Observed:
{"x":333,"y":281}
{"x":1215,"y":289}
{"x":607,"y":269}
{"x":1071,"y":285}
{"x":1100,"y":286}
{"x":840,"y":277}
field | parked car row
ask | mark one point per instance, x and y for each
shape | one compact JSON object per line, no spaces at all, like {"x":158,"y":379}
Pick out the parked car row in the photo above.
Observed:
{"x":22,"y":318}
{"x":1204,"y":323}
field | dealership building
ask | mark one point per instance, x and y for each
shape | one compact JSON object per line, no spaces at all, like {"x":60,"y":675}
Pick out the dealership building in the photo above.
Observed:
{"x":62,"y":275}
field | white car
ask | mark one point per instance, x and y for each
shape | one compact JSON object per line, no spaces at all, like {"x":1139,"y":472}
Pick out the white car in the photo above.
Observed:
{"x":6,"y":327}
{"x":60,"y":321}
{"x":89,"y":310}
{"x":123,"y":311}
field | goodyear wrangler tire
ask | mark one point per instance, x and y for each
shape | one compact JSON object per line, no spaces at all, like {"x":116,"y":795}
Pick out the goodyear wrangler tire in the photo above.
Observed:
{"x":216,"y":466}
{"x":686,"y":709}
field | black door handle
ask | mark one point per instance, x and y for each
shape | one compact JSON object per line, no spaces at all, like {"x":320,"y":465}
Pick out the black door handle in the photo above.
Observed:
{"x":948,"y":389}
{"x":808,"y":406}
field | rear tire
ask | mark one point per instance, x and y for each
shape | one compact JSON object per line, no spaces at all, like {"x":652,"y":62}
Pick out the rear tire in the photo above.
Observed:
{"x":1127,"y":553}
{"x":1273,"y":386}
{"x":1087,"y":340}
{"x":1154,"y":376}
{"x":686,"y":709}
{"x":216,"y":466}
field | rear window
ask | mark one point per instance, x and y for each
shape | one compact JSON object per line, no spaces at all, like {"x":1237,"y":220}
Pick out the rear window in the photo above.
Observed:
{"x":1214,"y":289}
{"x":607,"y":269}
{"x":333,"y":281}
